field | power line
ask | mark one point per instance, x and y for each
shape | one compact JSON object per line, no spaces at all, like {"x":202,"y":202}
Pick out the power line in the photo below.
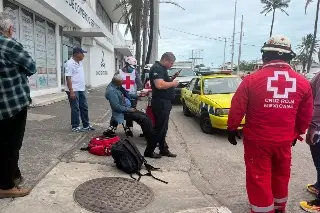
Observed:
{"x":221,"y":39}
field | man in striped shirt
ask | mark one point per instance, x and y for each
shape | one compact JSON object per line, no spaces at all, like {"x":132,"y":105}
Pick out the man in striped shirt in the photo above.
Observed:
{"x":15,"y":66}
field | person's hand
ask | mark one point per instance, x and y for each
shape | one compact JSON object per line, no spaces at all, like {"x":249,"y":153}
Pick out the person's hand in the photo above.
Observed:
{"x":133,"y":109}
{"x":176,"y":74}
{"x":73,"y":95}
{"x":232,"y":137}
{"x":309,"y":138}
{"x":175,"y":83}
{"x":294,"y":142}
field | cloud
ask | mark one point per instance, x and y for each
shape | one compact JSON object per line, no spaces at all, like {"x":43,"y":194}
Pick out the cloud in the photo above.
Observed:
{"x":215,"y":19}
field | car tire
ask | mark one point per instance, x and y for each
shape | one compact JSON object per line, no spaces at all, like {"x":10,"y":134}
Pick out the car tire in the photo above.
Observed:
{"x":205,"y":123}
{"x":185,"y":109}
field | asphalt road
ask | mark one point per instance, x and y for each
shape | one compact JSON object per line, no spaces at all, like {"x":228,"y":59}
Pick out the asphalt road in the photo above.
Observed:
{"x":222,"y":166}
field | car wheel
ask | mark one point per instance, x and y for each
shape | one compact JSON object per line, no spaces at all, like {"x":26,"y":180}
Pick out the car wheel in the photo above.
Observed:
{"x":185,"y":109}
{"x":205,"y":123}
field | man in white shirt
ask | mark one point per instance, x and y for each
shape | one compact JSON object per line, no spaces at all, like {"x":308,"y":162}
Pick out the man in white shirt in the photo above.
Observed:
{"x":76,"y":91}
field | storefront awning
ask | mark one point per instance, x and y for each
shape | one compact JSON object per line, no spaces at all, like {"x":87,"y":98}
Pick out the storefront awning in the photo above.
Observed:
{"x":125,"y":51}
{"x":87,"y":32}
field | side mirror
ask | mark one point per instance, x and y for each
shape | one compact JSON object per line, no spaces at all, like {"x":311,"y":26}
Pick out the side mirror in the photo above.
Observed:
{"x":196,"y":92}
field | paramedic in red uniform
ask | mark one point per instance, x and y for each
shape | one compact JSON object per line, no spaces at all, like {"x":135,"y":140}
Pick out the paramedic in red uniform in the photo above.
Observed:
{"x":278,"y":105}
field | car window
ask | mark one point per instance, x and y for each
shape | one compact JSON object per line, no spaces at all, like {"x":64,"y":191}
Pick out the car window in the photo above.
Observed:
{"x":191,"y":85}
{"x":197,"y":85}
{"x":220,"y":85}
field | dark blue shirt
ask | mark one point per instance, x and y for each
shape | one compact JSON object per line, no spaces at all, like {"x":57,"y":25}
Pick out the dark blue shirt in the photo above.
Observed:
{"x":157,"y":71}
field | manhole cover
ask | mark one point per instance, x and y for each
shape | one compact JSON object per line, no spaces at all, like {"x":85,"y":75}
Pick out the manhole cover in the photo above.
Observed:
{"x":113,"y":195}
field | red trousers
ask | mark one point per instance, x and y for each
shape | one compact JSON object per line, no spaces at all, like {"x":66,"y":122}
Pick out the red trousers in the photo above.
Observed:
{"x":267,"y":176}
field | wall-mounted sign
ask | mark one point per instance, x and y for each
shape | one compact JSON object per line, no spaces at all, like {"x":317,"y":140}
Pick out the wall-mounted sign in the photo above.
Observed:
{"x":73,"y":4}
{"x":102,"y":70}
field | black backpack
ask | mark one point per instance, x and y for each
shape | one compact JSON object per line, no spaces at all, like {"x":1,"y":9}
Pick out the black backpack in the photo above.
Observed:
{"x":129,"y":159}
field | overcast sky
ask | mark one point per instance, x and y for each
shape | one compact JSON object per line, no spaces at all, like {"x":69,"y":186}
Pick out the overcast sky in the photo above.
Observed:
{"x":214,"y":18}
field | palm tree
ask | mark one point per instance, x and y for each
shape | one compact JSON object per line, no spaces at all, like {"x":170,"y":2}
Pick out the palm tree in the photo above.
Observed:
{"x":314,"y":33}
{"x":305,"y":49}
{"x":273,"y":5}
{"x":134,"y":13}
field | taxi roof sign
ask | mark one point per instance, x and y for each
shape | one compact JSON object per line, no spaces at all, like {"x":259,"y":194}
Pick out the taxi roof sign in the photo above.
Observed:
{"x":220,"y":72}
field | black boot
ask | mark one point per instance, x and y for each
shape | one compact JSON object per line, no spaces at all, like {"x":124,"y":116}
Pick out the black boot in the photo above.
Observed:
{"x":152,"y":155}
{"x":128,"y":132}
{"x":167,"y":153}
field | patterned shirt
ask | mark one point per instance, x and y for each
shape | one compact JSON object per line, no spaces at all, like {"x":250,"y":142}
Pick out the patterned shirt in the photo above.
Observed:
{"x":15,"y":65}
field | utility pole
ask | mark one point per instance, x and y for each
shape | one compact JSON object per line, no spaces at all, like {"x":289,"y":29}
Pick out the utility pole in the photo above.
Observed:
{"x":154,"y":53}
{"x":239,"y":56}
{"x":234,"y":32}
{"x":195,"y":56}
{"x":224,"y":53}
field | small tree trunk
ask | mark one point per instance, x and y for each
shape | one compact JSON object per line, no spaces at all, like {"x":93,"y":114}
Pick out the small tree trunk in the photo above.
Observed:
{"x":314,"y":38}
{"x":151,"y":22}
{"x":274,"y":12}
{"x":319,"y":55}
{"x":144,"y":36}
{"x":138,"y":33}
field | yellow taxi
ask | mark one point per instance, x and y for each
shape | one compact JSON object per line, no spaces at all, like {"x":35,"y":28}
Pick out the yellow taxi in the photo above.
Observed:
{"x":209,"y":97}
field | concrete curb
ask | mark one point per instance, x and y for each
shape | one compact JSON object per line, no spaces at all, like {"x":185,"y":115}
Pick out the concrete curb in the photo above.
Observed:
{"x":207,"y":210}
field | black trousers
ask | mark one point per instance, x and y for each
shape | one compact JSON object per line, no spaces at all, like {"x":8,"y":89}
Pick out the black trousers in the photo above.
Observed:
{"x":145,"y":123}
{"x":129,"y":121}
{"x":12,"y":133}
{"x":161,"y":109}
{"x":315,"y":152}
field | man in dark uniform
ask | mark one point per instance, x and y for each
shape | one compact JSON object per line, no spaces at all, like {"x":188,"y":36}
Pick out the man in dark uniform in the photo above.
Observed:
{"x":162,"y":95}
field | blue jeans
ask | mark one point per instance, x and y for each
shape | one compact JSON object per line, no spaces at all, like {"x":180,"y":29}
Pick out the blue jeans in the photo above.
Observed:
{"x":79,"y":108}
{"x":315,"y":152}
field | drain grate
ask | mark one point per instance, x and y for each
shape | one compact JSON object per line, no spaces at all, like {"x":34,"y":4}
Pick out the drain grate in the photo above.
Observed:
{"x":113,"y":195}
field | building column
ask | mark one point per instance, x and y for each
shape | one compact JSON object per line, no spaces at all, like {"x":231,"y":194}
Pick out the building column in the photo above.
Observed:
{"x":1,"y":5}
{"x":154,"y":52}
{"x":58,"y":55}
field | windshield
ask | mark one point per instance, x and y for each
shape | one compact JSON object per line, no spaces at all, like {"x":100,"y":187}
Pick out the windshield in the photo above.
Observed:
{"x":220,"y":85}
{"x":184,"y":72}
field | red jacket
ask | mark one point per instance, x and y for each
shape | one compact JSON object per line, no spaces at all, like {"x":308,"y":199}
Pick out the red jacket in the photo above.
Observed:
{"x":277,"y":102}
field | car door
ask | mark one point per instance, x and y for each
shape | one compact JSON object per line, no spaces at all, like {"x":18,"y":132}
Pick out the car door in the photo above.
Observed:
{"x":188,"y":94}
{"x":195,"y":97}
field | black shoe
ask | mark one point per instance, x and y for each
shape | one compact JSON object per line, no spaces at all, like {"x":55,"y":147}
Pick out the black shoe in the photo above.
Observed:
{"x":18,"y":181}
{"x":128,"y":132}
{"x":168,"y":154}
{"x":109,"y":133}
{"x":152,"y":155}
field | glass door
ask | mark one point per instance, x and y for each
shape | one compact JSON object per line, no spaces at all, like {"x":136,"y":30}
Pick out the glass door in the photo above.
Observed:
{"x":66,"y":55}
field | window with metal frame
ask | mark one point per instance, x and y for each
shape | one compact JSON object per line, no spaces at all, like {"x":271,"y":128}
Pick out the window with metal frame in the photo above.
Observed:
{"x":38,"y":37}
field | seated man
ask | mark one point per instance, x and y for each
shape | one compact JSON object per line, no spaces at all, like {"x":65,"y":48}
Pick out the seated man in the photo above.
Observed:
{"x":122,"y":110}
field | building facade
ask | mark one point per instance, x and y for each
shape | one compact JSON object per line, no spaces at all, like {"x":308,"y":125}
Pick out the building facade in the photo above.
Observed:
{"x":49,"y":29}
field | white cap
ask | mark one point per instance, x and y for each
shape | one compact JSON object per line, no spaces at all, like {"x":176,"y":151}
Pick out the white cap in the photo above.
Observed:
{"x":278,"y":43}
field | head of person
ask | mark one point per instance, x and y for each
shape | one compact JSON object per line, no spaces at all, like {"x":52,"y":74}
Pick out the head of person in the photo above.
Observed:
{"x":6,"y":25}
{"x":277,"y":48}
{"x":78,"y":54}
{"x":130,"y":63}
{"x":167,"y":60}
{"x":117,"y":80}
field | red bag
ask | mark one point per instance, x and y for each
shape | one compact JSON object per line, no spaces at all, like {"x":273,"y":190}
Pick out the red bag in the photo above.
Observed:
{"x":150,"y":114}
{"x":101,"y":145}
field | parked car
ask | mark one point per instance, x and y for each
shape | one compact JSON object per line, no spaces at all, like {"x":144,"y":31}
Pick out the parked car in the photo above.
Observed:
{"x":209,"y":97}
{"x":185,"y":76}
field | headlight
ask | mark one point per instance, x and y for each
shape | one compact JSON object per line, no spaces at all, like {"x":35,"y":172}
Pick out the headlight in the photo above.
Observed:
{"x":220,"y":112}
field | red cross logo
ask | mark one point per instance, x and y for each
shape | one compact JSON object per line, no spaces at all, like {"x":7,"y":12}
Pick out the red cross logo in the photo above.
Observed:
{"x":281,"y":84}
{"x":282,"y":39}
{"x":128,"y":82}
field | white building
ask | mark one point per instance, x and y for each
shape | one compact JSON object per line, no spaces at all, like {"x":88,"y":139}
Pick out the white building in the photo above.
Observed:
{"x":49,"y":29}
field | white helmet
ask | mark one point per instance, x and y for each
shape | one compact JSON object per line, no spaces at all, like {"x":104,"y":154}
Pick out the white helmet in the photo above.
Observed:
{"x":131,"y":61}
{"x":278,"y":43}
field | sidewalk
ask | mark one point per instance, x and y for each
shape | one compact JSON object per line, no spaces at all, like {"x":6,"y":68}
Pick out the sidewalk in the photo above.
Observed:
{"x":51,"y":161}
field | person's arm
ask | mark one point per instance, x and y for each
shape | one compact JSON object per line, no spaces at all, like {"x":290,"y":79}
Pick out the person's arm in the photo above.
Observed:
{"x":238,"y":106}
{"x":22,"y":58}
{"x":138,"y":81}
{"x":304,"y":114}
{"x":115,"y":104}
{"x":68,"y":73}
